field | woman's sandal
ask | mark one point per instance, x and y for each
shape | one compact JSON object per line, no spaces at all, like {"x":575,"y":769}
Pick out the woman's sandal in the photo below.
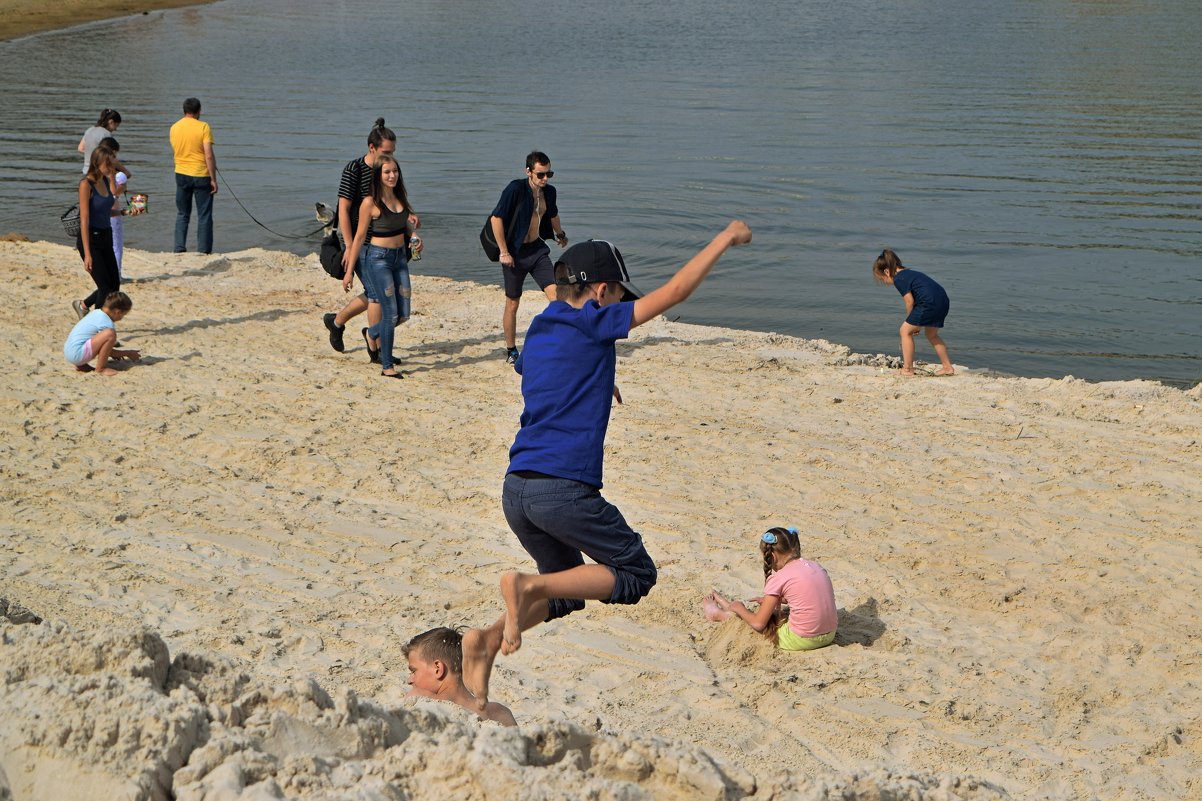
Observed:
{"x":391,"y":375}
{"x":373,"y":354}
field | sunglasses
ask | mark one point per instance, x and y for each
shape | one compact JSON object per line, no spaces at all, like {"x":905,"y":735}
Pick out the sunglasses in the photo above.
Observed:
{"x":547,"y":174}
{"x":770,"y":538}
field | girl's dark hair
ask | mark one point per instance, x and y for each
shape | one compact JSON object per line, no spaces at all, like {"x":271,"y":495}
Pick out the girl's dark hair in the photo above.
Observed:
{"x":886,"y":264}
{"x":107,"y":116}
{"x":110,"y":143}
{"x":787,"y":541}
{"x":117,"y":301}
{"x":377,"y":183}
{"x":99,"y":155}
{"x":379,"y":133}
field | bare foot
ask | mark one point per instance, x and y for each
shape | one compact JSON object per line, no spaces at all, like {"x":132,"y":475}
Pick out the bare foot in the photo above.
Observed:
{"x":84,"y":368}
{"x":106,"y":371}
{"x":946,"y":371}
{"x":906,"y":371}
{"x":480,"y":647}
{"x":713,"y":611}
{"x":512,"y":590}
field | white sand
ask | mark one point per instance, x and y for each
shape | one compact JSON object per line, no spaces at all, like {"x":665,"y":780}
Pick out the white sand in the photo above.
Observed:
{"x":1016,"y":562}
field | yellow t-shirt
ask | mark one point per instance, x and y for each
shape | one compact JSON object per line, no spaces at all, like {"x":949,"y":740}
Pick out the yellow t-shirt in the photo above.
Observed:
{"x":187,"y":140}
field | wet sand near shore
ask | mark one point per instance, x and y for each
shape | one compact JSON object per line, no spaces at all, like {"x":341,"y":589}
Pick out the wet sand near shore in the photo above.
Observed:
{"x":25,"y":17}
{"x":229,"y":542}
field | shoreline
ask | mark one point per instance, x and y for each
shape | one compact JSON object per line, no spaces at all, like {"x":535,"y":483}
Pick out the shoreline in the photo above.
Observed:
{"x":994,"y":543}
{"x":29,"y":17}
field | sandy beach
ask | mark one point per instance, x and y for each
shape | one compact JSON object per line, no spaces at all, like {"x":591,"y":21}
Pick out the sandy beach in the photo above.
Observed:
{"x":228,"y":544}
{"x":25,"y":17}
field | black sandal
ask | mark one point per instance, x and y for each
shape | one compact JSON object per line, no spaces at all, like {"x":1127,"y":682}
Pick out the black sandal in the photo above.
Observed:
{"x":391,"y":375}
{"x":373,"y":354}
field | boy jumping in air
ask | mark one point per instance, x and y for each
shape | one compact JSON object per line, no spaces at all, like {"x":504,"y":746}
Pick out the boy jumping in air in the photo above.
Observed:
{"x":551,"y":496}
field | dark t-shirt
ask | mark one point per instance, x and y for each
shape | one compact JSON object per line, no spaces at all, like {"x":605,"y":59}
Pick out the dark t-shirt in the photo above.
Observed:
{"x":926,"y":291}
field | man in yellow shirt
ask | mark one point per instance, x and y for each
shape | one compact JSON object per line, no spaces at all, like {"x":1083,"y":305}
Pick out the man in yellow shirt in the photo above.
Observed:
{"x":195,"y":177}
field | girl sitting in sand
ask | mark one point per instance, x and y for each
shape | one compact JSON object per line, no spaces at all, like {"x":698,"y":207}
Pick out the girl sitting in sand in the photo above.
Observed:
{"x":805,"y":588}
{"x":926,"y":308}
{"x":95,"y":336}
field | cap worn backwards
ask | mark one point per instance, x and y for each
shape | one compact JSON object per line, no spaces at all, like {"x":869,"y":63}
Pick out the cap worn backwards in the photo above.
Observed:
{"x":596,"y":261}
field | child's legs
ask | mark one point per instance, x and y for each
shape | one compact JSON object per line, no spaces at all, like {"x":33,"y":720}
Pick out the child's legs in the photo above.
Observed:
{"x":940,"y":348}
{"x":118,"y":241}
{"x":557,"y":520}
{"x":908,"y":332}
{"x":102,"y":344}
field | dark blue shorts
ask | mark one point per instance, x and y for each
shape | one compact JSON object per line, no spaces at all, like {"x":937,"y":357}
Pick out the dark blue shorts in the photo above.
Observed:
{"x":929,"y":316}
{"x":559,"y":521}
{"x":533,"y":259}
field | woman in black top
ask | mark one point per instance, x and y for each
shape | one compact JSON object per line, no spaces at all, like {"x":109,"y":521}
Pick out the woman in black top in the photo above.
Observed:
{"x":384,"y":230}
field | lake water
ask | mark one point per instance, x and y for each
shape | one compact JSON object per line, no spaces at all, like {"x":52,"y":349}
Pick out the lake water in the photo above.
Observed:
{"x":1043,"y":161}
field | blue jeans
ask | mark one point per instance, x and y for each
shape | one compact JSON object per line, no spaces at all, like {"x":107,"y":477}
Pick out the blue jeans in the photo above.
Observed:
{"x":188,"y":187}
{"x":557,"y":520}
{"x":386,"y":277}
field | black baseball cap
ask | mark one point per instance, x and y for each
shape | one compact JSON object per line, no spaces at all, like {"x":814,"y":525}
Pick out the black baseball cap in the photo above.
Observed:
{"x":594,"y":262}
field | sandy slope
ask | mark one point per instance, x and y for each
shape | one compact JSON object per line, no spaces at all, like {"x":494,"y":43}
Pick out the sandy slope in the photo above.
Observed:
{"x":1016,"y":560}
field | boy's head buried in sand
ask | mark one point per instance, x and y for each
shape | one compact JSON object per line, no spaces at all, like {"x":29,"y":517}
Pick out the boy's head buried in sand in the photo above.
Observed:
{"x":436,"y":671}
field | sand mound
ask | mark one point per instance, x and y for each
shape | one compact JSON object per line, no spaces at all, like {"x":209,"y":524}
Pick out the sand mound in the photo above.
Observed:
{"x":106,"y":716}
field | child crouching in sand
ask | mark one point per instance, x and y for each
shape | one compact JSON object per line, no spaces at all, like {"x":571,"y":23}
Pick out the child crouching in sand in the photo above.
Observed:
{"x":95,"y":336}
{"x":926,"y":309}
{"x":805,"y":587}
{"x":436,"y":671}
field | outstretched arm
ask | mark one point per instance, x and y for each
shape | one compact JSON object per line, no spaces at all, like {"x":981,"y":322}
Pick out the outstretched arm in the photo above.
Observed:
{"x":690,"y":276}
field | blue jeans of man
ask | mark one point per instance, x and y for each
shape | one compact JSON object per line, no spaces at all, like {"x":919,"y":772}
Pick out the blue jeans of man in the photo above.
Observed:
{"x":386,"y":278}
{"x":188,"y":187}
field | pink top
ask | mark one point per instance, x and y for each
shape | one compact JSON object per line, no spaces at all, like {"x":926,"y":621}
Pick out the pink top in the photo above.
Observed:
{"x":806,"y":588}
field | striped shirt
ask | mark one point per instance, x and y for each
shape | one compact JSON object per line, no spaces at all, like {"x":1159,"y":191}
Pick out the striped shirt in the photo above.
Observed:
{"x":354,"y":186}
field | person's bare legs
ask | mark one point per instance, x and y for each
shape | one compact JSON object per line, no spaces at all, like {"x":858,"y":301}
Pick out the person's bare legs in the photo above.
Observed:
{"x":102,"y":346}
{"x":941,"y":351}
{"x":526,"y":596}
{"x":549,"y":291}
{"x":908,"y":332}
{"x":509,"y":321}
{"x":353,"y":308}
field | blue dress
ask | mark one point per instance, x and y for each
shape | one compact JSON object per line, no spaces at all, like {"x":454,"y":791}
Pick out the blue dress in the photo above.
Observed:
{"x":930,"y":301}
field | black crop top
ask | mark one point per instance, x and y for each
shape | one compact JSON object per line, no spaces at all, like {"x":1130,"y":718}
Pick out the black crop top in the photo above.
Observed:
{"x":389,"y":223}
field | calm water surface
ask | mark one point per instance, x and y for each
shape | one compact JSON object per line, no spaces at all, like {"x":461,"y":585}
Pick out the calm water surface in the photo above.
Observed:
{"x":1042,"y":160}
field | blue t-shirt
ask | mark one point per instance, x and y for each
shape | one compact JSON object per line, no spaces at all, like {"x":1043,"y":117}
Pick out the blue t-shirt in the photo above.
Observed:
{"x":927,"y":293}
{"x":567,"y":367}
{"x":92,"y":324}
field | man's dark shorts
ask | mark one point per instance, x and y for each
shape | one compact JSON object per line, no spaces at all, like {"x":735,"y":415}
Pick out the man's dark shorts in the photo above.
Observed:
{"x":557,"y":520}
{"x":533,"y":259}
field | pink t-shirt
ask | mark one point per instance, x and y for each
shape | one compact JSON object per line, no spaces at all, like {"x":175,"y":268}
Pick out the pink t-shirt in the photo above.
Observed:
{"x":806,"y":588}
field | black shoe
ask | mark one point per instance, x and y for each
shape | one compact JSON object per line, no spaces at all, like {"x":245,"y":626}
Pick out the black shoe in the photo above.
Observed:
{"x":373,"y":354}
{"x":511,"y":355}
{"x":336,"y":332}
{"x":391,"y":375}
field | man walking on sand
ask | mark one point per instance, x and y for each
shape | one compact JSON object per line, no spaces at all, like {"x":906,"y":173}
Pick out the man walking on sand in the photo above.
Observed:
{"x":525,"y":215}
{"x":195,"y":177}
{"x":552,"y":492}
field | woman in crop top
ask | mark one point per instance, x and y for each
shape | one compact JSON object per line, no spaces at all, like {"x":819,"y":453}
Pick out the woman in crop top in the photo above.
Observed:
{"x":383,"y":231}
{"x":95,"y":240}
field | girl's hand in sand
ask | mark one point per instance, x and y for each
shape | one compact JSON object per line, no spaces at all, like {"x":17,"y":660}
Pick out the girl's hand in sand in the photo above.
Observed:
{"x":128,"y":354}
{"x":715,"y":607}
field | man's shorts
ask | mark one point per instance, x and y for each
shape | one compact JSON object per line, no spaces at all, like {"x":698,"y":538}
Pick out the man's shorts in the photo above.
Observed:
{"x":557,"y":520}
{"x":533,"y":259}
